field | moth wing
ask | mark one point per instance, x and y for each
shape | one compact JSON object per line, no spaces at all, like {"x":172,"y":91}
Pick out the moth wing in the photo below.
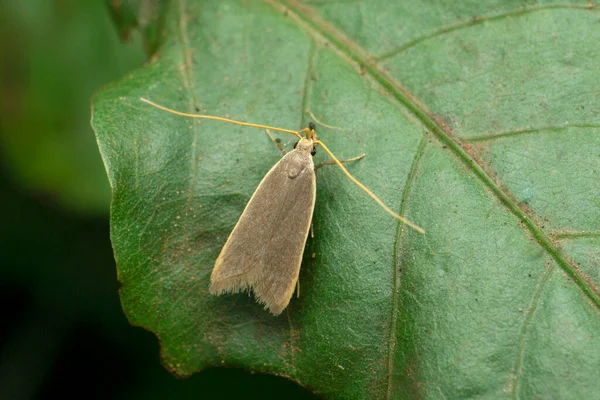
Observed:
{"x":264,"y":250}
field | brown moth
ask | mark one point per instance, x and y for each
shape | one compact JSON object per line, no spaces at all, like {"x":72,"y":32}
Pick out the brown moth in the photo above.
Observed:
{"x":264,"y":251}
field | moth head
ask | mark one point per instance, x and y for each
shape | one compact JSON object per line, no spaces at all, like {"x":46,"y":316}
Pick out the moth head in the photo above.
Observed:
{"x":305,"y":145}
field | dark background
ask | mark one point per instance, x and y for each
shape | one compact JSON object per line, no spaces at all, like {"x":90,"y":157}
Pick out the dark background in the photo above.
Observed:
{"x":63,"y":333}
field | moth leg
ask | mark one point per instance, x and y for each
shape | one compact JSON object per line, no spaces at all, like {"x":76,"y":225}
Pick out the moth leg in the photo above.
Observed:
{"x":331,"y":162}
{"x":312,"y":230}
{"x":275,"y":142}
{"x":298,"y":288}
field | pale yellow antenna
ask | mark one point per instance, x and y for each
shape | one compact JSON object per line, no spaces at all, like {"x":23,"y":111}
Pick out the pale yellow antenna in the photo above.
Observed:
{"x":231,"y":121}
{"x":333,"y":157}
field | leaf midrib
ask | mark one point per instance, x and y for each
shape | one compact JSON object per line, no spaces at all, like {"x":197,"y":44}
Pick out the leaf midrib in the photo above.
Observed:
{"x":188,"y":82}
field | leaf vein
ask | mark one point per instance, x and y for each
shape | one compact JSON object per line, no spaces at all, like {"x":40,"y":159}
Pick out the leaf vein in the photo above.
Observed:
{"x":473,"y":22}
{"x":576,"y":235}
{"x":520,"y":132}
{"x":398,"y":259}
{"x":518,"y":368}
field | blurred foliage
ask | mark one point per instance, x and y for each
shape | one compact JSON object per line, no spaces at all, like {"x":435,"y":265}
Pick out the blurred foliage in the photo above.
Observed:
{"x":146,"y":16}
{"x":63,"y":331}
{"x":55,"y":55}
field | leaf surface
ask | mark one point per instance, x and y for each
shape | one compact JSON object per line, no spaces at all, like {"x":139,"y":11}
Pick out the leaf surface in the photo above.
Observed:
{"x":480,"y":123}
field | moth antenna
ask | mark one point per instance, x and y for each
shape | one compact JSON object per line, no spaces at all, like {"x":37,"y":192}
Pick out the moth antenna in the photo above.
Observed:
{"x":231,"y":121}
{"x":371,"y":194}
{"x":321,"y":123}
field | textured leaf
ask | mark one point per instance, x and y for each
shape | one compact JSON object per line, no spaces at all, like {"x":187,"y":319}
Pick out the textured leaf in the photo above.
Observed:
{"x":480,"y":122}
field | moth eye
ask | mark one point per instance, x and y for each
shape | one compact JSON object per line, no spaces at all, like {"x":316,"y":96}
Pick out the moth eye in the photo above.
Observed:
{"x":314,"y":151}
{"x":295,"y":144}
{"x":311,"y":126}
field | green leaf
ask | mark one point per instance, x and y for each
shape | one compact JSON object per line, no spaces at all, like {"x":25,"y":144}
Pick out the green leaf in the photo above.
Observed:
{"x":480,"y":123}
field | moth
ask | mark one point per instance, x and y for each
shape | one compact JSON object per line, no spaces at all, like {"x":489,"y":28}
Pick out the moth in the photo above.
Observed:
{"x":264,"y":251}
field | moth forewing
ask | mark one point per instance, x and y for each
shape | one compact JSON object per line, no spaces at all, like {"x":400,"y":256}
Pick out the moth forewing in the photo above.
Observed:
{"x":264,"y":251}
